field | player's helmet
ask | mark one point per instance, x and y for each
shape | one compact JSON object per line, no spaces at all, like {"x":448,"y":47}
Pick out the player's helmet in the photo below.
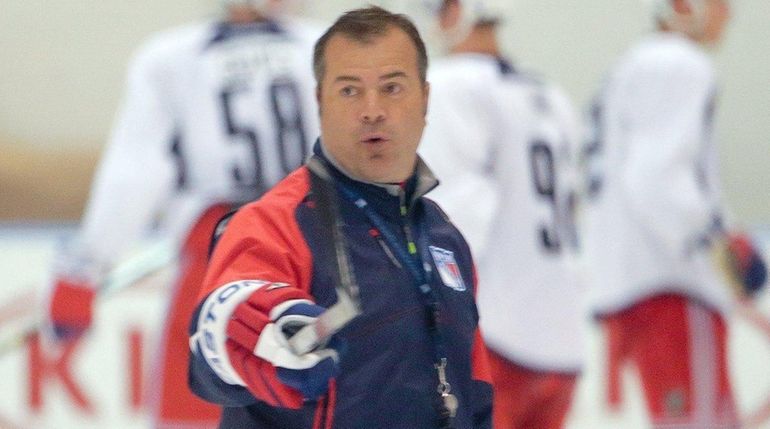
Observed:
{"x":426,"y":14}
{"x":663,"y":11}
{"x":473,"y":11}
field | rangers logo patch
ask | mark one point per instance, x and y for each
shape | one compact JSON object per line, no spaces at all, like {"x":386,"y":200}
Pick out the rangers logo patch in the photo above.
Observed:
{"x":447,"y":268}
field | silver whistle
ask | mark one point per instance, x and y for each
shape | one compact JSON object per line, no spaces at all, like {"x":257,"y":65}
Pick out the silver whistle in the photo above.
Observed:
{"x":444,"y":389}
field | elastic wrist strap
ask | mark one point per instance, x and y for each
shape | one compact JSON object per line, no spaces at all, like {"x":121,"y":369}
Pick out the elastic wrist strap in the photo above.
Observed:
{"x":211,"y":336}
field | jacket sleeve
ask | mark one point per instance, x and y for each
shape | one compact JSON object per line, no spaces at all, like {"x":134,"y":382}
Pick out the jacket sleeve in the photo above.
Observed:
{"x":261,"y":244}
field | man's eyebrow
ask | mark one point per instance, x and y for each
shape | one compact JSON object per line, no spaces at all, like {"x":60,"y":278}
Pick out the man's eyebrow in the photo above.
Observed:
{"x":393,"y":75}
{"x":344,"y":78}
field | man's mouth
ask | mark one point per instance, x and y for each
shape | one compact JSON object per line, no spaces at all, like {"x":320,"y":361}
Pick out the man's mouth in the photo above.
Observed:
{"x":374,"y":138}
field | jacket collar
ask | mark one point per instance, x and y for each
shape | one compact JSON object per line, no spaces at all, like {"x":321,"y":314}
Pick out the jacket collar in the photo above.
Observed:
{"x":420,"y":183}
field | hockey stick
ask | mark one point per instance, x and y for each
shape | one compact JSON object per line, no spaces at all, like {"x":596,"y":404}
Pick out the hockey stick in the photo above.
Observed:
{"x":348,"y":304}
{"x":143,"y":264}
{"x":149,"y":261}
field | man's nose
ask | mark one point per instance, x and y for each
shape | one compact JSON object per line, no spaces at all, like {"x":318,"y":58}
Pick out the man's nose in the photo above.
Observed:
{"x":373,"y":109}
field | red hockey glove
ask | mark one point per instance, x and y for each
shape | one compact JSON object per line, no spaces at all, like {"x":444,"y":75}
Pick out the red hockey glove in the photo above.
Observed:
{"x":254,"y":339}
{"x":71,"y":308}
{"x":745,"y":264}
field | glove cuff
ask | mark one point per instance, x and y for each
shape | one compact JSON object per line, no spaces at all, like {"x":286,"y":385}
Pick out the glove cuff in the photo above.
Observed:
{"x":211,"y":335}
{"x":304,"y":307}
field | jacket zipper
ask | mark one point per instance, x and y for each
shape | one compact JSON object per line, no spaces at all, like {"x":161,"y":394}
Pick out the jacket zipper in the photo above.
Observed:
{"x":384,"y":246}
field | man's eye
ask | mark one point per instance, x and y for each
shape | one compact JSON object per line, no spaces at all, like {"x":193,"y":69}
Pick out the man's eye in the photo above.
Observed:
{"x":393,"y":88}
{"x":348,"y":91}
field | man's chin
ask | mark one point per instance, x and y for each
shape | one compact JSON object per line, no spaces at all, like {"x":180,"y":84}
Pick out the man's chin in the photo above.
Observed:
{"x":385,"y":175}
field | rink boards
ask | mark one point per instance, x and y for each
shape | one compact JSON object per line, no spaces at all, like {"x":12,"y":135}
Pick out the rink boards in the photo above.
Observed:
{"x":99,"y":383}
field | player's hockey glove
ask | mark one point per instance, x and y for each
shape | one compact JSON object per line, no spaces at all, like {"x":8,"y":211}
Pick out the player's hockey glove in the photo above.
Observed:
{"x":255,"y":338}
{"x":71,"y":308}
{"x":744,"y":264}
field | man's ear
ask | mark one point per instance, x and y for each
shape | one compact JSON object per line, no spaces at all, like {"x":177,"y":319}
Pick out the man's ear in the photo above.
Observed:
{"x":318,"y":97}
{"x":426,"y":96}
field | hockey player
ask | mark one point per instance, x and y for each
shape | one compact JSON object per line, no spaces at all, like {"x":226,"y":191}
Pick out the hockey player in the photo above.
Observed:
{"x":656,"y":216}
{"x":413,"y":357}
{"x":214,"y":114}
{"x":501,"y":142}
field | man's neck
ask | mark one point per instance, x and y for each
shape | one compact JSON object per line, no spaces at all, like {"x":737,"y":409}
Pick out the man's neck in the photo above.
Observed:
{"x":392,"y":188}
{"x":244,"y":15}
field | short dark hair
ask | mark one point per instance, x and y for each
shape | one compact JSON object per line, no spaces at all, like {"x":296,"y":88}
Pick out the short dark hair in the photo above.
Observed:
{"x":364,"y":25}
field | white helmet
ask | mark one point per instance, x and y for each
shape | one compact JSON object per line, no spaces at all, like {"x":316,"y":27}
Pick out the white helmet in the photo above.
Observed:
{"x":663,"y":11}
{"x":473,"y":11}
{"x":426,"y":14}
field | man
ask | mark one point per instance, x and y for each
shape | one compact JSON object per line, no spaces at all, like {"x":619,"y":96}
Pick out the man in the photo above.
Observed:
{"x":413,"y":357}
{"x":501,"y":142}
{"x":214,"y":114}
{"x":656,"y":217}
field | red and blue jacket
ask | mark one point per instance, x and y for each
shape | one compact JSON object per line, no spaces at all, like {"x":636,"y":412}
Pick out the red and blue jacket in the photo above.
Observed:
{"x":387,"y":377}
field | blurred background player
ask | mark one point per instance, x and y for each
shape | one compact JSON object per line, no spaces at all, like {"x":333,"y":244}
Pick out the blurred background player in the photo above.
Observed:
{"x":656,"y":218}
{"x":214,"y":114}
{"x":501,"y":142}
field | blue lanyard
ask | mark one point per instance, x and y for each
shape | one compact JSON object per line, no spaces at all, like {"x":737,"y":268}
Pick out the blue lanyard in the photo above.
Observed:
{"x":410,"y":259}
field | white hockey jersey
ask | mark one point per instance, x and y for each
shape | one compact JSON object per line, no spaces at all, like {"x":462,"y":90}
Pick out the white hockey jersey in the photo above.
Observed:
{"x":654,"y":193}
{"x":212,"y":113}
{"x":502,"y":144}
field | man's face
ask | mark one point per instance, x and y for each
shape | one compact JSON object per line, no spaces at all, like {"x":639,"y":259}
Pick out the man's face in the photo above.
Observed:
{"x":373,"y":105}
